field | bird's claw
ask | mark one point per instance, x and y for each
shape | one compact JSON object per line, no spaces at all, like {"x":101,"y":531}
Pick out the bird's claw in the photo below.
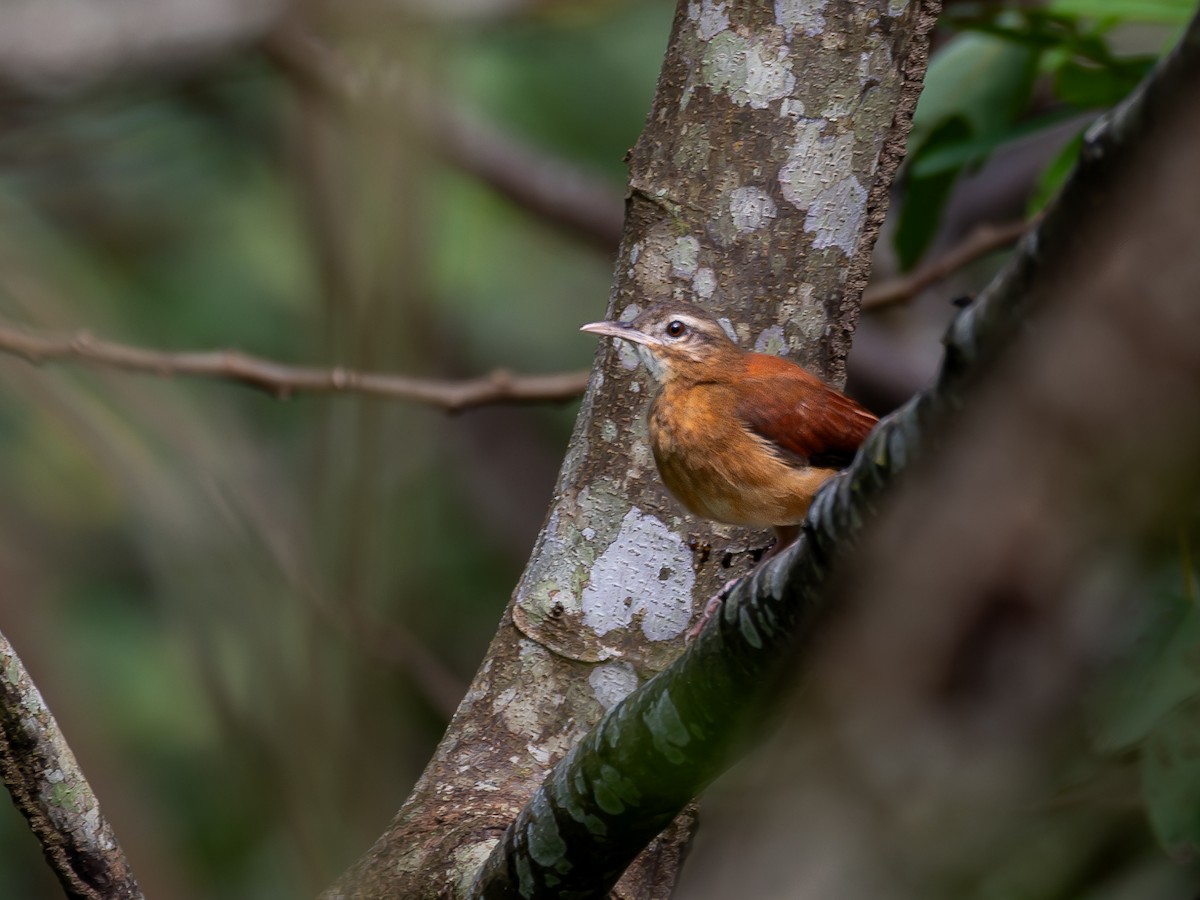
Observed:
{"x":711,"y":607}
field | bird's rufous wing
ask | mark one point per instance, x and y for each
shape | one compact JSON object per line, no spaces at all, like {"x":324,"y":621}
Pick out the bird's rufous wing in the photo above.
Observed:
{"x":805,"y":419}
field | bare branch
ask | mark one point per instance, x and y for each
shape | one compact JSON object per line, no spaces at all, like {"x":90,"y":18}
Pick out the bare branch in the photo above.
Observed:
{"x":540,"y":182}
{"x":283,"y":381}
{"x":984,"y":239}
{"x":49,"y":789}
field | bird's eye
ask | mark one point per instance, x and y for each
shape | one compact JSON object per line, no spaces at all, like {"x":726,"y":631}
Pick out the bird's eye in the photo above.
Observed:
{"x":676,"y":329}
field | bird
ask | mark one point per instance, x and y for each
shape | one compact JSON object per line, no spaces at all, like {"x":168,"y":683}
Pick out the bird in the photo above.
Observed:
{"x":738,"y":437}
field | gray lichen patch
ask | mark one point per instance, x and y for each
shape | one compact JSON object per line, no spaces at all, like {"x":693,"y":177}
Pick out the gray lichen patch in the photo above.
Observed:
{"x":800,"y":15}
{"x":627,"y":356}
{"x":816,"y":161}
{"x":751,"y":208}
{"x":547,"y":608}
{"x":819,"y":178}
{"x":468,"y":860}
{"x":693,"y":152}
{"x":875,"y":63}
{"x":727,"y":327}
{"x":753,"y":71}
{"x":806,"y":317}
{"x":710,"y":18}
{"x":523,"y":711}
{"x":532,"y":712}
{"x":666,"y":257}
{"x":601,"y":546}
{"x":771,"y":340}
{"x":835,"y":218}
{"x":612,"y":682}
{"x":554,"y":567}
{"x":645,"y":576}
{"x":685,"y":256}
{"x":641,"y":458}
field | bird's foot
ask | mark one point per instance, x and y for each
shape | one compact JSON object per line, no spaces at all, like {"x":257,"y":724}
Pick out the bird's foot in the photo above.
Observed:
{"x":711,"y":608}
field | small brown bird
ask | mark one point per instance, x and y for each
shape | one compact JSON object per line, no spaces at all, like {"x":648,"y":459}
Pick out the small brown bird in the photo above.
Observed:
{"x":739,"y":437}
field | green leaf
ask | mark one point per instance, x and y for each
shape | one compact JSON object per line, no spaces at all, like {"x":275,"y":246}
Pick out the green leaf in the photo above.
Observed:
{"x":954,"y":155}
{"x":983,"y":80}
{"x":976,"y":86}
{"x":1163,"y":674}
{"x":1055,"y":174}
{"x":1169,"y":12}
{"x":1037,"y":33}
{"x":924,"y":196}
{"x":1095,"y":87}
{"x":1170,"y":771}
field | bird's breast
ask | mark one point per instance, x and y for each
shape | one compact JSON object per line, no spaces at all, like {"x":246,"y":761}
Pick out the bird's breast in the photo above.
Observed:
{"x":717,"y":469}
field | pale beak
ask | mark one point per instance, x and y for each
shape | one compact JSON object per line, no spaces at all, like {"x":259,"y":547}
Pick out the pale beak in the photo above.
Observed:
{"x":618,"y":330}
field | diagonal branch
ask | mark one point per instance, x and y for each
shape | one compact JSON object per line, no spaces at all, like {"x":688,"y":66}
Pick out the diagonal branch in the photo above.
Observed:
{"x":655,"y":750}
{"x":283,"y":381}
{"x":49,"y":789}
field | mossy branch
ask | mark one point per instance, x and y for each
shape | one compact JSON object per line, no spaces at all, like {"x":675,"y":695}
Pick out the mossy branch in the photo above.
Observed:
{"x":48,"y":787}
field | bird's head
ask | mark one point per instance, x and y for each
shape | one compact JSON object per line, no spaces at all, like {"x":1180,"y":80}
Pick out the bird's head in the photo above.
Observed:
{"x":675,"y":340}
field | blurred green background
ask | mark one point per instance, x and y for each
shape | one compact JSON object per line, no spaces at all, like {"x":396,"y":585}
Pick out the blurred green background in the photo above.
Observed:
{"x":250,"y":615}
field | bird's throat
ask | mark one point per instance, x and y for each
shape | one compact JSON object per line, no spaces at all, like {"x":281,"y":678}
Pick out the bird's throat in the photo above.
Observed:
{"x":653,"y":363}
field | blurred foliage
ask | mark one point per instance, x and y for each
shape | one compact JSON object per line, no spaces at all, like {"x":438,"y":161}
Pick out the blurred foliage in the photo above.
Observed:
{"x":204,"y":580}
{"x":1009,"y":73}
{"x":1149,"y":711}
{"x":216,"y":590}
{"x":1004,"y":75}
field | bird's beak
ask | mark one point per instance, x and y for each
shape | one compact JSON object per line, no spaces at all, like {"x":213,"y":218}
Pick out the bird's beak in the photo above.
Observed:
{"x":618,"y":330}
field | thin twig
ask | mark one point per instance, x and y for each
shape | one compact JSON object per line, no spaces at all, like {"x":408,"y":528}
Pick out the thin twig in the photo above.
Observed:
{"x":984,"y":239}
{"x":49,"y":789}
{"x":283,"y":381}
{"x":500,"y":386}
{"x":545,"y":184}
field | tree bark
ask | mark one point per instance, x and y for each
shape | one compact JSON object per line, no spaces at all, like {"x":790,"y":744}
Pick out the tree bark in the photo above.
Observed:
{"x":756,"y":190}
